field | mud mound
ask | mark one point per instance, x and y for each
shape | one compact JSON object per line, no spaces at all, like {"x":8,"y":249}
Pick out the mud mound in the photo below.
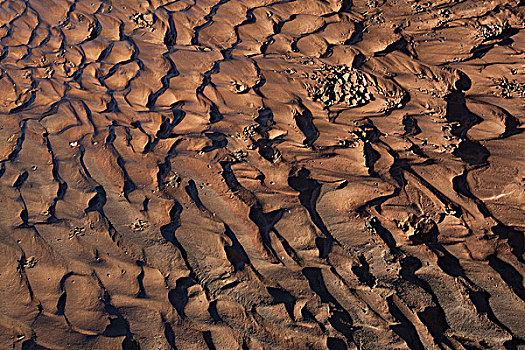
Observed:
{"x":233,"y":174}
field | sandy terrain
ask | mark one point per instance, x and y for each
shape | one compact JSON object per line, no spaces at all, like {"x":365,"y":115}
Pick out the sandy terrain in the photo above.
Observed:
{"x":262,"y":174}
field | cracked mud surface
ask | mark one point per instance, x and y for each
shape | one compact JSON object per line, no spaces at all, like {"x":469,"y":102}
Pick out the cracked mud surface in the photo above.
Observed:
{"x":234,"y":174}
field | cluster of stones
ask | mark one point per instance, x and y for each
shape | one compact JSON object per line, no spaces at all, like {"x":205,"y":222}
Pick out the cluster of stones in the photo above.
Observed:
{"x":508,"y":87}
{"x":372,"y":3}
{"x":250,"y":130}
{"x":139,"y":225}
{"x":239,"y":87}
{"x":30,"y":262}
{"x":76,"y":231}
{"x":419,"y":229}
{"x":339,"y":84}
{"x":445,"y":13}
{"x":489,"y":31}
{"x":240,"y":155}
{"x":420,"y":8}
{"x":143,"y":20}
{"x":173,"y":181}
{"x":393,"y":98}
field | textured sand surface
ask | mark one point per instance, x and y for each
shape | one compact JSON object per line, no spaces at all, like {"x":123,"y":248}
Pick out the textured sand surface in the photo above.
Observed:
{"x":262,"y":174}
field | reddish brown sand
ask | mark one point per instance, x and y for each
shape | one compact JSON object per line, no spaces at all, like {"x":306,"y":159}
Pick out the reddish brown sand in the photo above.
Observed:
{"x":262,"y":174}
